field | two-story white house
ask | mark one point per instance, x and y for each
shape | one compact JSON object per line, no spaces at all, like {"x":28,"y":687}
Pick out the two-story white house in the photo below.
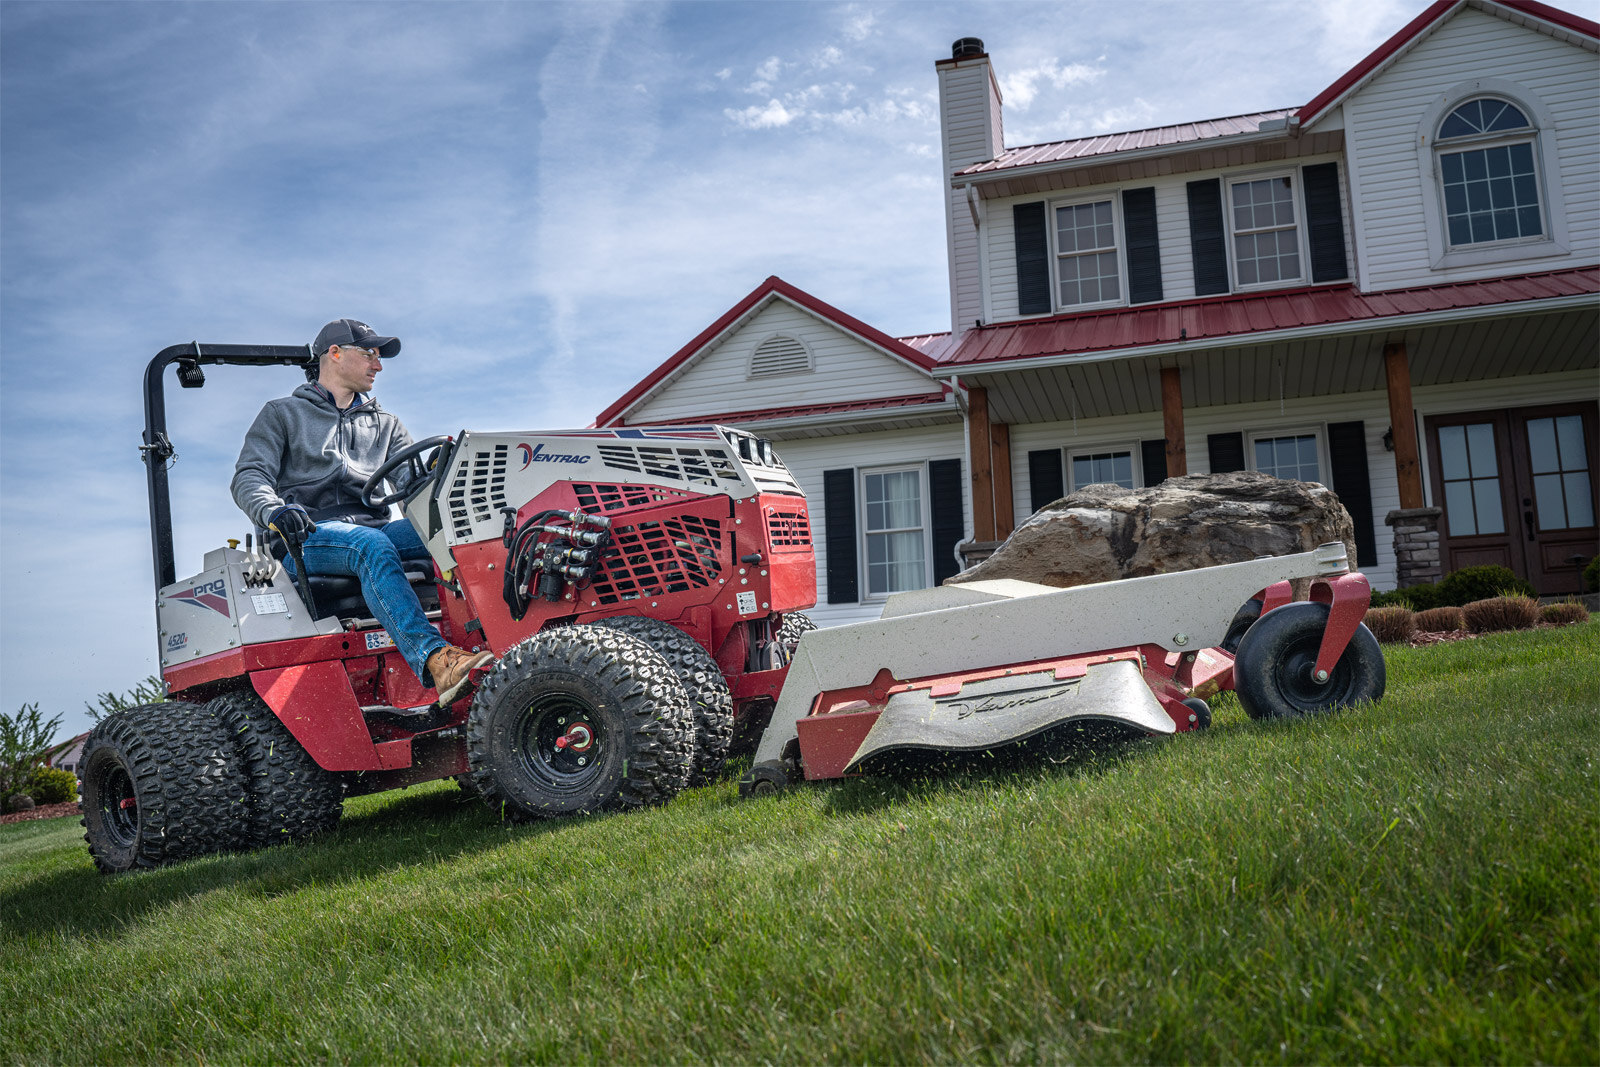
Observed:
{"x":1393,"y":289}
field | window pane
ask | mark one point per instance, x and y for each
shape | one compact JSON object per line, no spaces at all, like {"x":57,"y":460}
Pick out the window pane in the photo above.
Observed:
{"x":1542,"y":445}
{"x":1294,"y":458}
{"x":1491,"y":517}
{"x":1569,"y":430}
{"x":1458,"y":506}
{"x":1580,"y":505}
{"x":1499,"y":161}
{"x":1547,"y":494}
{"x":1531,"y":226}
{"x":895,"y":562}
{"x":1480,"y":445}
{"x":1453,"y":452}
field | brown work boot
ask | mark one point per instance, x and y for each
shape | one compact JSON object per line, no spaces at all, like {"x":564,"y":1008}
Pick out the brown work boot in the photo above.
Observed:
{"x":449,"y":668}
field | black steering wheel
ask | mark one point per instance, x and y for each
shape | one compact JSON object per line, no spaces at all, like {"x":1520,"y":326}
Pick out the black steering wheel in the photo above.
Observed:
{"x":418,"y":470}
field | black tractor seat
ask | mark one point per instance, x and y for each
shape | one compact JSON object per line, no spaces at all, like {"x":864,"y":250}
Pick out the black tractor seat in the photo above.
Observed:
{"x":340,"y":594}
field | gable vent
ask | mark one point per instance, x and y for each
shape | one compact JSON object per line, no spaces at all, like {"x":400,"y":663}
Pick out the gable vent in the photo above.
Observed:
{"x":779,"y":355}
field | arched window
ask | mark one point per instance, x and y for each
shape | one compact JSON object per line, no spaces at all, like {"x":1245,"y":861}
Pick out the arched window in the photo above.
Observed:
{"x":1488,"y":173}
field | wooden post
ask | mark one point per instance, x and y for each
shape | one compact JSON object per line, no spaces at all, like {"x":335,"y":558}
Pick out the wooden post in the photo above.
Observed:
{"x":1000,"y":462}
{"x":1403,"y":424}
{"x":1172,"y":421}
{"x":979,"y":451}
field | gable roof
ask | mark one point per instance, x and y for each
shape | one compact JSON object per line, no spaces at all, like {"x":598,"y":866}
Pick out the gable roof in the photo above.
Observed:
{"x":1357,"y":76}
{"x":773,"y":288}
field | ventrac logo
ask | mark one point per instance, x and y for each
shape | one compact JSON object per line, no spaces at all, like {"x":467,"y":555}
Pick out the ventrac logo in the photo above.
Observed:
{"x":213,"y":595}
{"x":537,"y":454}
{"x":965,"y":709}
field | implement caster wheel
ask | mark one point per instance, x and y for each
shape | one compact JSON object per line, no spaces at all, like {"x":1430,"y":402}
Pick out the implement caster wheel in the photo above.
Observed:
{"x":764,"y":780}
{"x":1274,"y":672}
{"x":1200,"y":712}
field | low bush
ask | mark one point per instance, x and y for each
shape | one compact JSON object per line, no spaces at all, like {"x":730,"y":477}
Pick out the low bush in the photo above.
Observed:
{"x":52,"y":785}
{"x":1440,"y":620}
{"x":1471,"y":584}
{"x":1391,"y":625}
{"x":1501,"y":613}
{"x":1565,"y":613}
{"x":1591,"y":576}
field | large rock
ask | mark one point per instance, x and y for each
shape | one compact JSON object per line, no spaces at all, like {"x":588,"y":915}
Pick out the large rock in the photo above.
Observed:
{"x":1104,"y":532}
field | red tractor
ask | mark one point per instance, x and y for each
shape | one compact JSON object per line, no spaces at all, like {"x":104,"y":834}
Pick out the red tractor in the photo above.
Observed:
{"x":640,"y":590}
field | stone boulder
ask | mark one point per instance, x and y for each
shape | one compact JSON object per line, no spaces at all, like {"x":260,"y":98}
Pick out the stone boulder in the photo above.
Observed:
{"x":1104,"y":532}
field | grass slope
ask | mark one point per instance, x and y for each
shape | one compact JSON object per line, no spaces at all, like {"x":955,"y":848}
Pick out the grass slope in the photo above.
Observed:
{"x":1408,"y":882}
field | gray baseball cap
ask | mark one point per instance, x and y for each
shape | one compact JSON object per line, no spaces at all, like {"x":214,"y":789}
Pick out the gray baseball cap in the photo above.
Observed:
{"x":356,"y":333}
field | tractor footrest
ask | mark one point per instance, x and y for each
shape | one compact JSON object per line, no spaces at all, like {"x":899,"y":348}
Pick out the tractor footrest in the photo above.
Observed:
{"x":414,"y":719}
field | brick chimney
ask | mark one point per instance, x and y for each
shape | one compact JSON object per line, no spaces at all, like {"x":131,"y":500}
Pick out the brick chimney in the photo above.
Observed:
{"x":971,"y":131}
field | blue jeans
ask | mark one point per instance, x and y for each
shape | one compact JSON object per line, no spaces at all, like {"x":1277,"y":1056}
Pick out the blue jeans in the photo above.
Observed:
{"x":373,"y":554}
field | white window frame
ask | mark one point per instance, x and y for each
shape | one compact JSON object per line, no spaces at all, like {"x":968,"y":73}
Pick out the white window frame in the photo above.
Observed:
{"x":1324,"y":468}
{"x":1302,"y":243}
{"x":1135,"y":455}
{"x":1528,"y":135}
{"x":1441,"y":255}
{"x":1117,"y":236}
{"x":865,"y":573}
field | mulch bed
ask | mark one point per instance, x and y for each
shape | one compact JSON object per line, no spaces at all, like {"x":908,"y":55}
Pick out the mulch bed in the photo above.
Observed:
{"x":43,"y":811}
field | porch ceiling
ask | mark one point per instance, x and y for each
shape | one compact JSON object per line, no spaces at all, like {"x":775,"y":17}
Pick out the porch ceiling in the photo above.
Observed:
{"x":1510,"y":346}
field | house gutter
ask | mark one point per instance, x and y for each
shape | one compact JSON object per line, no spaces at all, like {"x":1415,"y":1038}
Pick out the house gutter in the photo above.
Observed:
{"x":1386,"y":324}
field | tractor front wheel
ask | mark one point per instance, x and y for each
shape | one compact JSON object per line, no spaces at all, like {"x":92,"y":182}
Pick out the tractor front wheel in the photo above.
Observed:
{"x":1274,"y":673}
{"x":579,"y":719}
{"x":161,"y":784}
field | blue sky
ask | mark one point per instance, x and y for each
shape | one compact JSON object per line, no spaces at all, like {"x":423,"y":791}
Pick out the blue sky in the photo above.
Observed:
{"x":542,"y":200}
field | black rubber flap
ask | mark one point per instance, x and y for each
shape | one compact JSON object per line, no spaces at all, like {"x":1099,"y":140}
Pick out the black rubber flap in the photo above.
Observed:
{"x":1000,"y":711}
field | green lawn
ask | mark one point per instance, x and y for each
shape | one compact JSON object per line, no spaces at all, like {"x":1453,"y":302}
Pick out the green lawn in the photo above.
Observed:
{"x":1411,"y":882}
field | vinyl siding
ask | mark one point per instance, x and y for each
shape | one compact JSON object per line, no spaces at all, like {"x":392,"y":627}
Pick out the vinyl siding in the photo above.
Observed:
{"x":844,"y":368}
{"x":1172,"y":224}
{"x":807,"y":460}
{"x":1383,"y":134}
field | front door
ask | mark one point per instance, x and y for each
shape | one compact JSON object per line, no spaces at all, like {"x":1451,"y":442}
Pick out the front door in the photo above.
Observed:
{"x":1518,"y":489}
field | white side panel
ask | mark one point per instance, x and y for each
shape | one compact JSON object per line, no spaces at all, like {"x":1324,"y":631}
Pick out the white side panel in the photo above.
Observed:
{"x":1384,"y":133}
{"x":808,"y":459}
{"x":969,"y":121}
{"x":1172,"y":224}
{"x":844,"y":368}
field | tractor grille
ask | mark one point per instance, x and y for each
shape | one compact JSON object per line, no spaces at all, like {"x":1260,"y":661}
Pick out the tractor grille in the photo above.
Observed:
{"x":479,"y":491}
{"x":596,"y":497}
{"x":675,"y":464}
{"x":788,"y":530}
{"x":657,"y":558}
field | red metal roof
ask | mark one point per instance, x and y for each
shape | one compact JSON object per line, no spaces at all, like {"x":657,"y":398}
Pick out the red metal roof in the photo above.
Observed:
{"x":774,"y":285}
{"x":1108,"y":143}
{"x":887,"y":403}
{"x":1352,"y":79}
{"x":1241,"y":315}
{"x":933,"y":345}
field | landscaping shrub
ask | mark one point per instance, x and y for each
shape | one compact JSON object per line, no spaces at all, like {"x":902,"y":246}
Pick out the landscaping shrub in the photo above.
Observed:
{"x":1416,"y":597}
{"x":52,"y":785}
{"x":1591,"y":576}
{"x":1501,"y":613}
{"x":1471,"y":584}
{"x":1391,"y":625}
{"x":1565,"y":613}
{"x":1440,"y":620}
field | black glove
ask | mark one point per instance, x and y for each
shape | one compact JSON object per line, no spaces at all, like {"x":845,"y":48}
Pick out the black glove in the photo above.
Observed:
{"x":292,"y":523}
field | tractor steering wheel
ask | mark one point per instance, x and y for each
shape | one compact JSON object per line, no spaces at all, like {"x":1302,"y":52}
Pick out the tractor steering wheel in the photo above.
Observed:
{"x":418,"y":471}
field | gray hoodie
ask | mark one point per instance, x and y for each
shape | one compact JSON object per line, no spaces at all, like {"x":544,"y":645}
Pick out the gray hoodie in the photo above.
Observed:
{"x":303,"y":450}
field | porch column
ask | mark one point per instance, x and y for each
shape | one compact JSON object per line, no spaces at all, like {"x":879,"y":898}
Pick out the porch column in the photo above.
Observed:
{"x":1403,"y":424}
{"x":979,"y":448}
{"x":1000,"y":465}
{"x":1172,"y":422}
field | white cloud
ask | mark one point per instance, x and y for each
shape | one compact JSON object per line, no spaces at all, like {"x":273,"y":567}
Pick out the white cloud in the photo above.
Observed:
{"x":725,"y":73}
{"x":772,"y":115}
{"x":1019,"y":88}
{"x":1350,"y":29}
{"x":858,"y":24}
{"x":828,"y":57}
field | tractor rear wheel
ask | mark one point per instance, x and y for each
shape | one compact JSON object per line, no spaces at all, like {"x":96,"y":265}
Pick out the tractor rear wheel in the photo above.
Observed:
{"x":1274,"y":672}
{"x":161,"y":784}
{"x":709,"y":695}
{"x":579,"y":719}
{"x":290,"y":796}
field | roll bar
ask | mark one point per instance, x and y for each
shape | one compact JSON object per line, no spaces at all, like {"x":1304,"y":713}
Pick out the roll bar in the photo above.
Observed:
{"x":157,"y":447}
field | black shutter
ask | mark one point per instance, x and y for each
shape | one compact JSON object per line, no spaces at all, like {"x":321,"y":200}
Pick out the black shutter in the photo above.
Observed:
{"x":949,"y":515}
{"x":1154,"y":454}
{"x":1045,"y":483}
{"x":1033,"y":258}
{"x":1325,"y":223}
{"x":839,"y":509}
{"x":1347,"y":452}
{"x":1144,"y":245}
{"x":1208,"y":238}
{"x":1226,"y":451}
